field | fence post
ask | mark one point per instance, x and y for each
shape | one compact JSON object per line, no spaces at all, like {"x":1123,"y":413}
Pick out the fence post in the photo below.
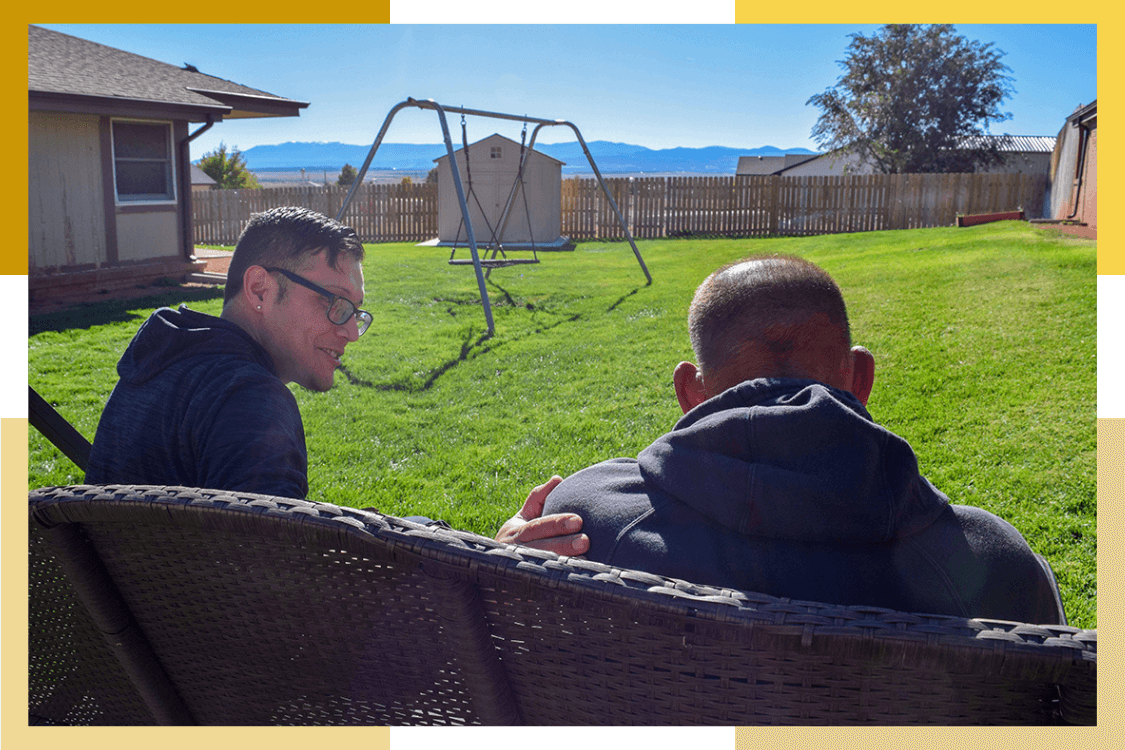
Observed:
{"x":773,"y":205}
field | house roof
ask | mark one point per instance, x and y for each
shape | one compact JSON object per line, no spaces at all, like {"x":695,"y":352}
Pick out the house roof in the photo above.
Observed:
{"x":1034,"y":144}
{"x":65,"y":72}
{"x":1023,"y":144}
{"x":493,"y":137}
{"x":199,"y":177}
{"x":1085,"y":114}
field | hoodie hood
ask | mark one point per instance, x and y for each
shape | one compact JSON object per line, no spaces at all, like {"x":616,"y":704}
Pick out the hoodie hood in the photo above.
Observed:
{"x":793,"y":459}
{"x":169,"y":336}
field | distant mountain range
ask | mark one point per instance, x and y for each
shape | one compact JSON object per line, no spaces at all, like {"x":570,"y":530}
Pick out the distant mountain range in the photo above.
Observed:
{"x":610,"y":157}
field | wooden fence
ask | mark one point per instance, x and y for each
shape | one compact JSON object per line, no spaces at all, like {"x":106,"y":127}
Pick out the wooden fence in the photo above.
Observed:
{"x":751,"y":206}
{"x":378,"y":213}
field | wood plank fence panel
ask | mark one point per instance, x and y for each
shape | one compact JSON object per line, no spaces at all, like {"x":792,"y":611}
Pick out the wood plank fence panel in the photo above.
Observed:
{"x":649,"y":206}
{"x":609,"y":226}
{"x":653,"y":207}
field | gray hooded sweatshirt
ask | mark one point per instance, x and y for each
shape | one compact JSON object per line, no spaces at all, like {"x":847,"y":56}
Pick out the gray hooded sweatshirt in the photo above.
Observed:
{"x":789,"y":488}
{"x":200,"y":404}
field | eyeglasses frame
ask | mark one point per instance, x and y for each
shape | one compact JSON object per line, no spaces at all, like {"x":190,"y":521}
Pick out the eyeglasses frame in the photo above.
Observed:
{"x":363,"y":318}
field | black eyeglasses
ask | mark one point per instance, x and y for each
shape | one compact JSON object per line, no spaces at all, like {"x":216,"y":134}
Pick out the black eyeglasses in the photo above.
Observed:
{"x":341,"y":309}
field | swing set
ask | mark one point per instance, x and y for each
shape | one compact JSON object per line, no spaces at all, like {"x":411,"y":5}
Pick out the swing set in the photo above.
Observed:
{"x":496,"y":233}
{"x":495,"y":244}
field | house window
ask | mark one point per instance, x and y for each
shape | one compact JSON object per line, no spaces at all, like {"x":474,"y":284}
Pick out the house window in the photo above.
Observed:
{"x":142,"y":162}
{"x":496,"y":153}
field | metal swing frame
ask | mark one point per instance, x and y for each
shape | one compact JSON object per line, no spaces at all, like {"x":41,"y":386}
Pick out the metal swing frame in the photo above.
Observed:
{"x":539,"y":123}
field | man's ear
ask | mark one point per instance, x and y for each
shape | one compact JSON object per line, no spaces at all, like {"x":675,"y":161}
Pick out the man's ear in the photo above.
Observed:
{"x":257,"y":283}
{"x":863,"y":373}
{"x":690,"y":390}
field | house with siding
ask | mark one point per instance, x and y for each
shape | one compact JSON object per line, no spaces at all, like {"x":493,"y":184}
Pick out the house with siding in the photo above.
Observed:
{"x":200,"y":180}
{"x":109,"y":172}
{"x":1023,"y":154}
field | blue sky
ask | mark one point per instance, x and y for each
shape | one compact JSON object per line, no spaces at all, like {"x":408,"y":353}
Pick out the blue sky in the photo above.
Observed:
{"x":741,"y":86}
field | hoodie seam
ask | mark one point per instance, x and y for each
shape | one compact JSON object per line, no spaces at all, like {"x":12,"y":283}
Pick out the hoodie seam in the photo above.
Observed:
{"x":628,"y":529}
{"x":950,"y":589}
{"x":751,"y":478}
{"x":884,"y":489}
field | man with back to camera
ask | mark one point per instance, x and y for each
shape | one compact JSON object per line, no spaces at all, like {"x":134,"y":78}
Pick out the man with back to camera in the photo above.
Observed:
{"x":203,"y":402}
{"x":777,"y":480}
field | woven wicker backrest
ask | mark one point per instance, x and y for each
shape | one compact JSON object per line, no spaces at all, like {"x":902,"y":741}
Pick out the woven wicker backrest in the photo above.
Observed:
{"x":178,"y":605}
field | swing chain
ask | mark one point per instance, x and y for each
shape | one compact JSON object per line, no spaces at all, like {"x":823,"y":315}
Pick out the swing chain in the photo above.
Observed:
{"x":495,"y":243}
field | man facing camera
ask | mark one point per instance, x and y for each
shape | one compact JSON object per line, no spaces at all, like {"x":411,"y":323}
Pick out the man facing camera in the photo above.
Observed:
{"x":203,"y":401}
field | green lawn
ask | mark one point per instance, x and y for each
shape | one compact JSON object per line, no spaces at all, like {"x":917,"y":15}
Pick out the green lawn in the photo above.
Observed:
{"x":984,"y":339}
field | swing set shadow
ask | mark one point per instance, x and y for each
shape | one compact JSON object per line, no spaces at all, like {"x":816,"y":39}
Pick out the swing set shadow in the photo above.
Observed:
{"x":479,"y":264}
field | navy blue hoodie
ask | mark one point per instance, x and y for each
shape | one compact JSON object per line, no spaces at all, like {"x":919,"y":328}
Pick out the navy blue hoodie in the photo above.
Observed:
{"x":200,"y":404}
{"x":789,"y":488}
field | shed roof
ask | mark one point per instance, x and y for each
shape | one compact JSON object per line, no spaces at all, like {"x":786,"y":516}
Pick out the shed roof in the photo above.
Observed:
{"x":767,"y":165}
{"x":493,"y":137}
{"x":63,"y":68}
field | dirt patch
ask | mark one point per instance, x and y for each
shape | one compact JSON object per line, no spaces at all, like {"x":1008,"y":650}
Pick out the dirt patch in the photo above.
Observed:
{"x":1082,"y":231}
{"x":1086,"y":233}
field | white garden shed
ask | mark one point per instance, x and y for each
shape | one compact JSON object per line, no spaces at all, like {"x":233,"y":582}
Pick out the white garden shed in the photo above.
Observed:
{"x":489,"y":173}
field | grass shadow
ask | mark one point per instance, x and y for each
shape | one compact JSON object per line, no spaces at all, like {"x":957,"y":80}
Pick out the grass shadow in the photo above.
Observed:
{"x":91,"y":314}
{"x":468,"y":346}
{"x":624,"y":297}
{"x":483,"y":344}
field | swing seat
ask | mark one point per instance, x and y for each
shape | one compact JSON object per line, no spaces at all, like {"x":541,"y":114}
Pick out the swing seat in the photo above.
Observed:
{"x":494,"y":262}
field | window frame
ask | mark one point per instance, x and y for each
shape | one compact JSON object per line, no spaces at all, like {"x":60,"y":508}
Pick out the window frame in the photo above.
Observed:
{"x":145,"y":199}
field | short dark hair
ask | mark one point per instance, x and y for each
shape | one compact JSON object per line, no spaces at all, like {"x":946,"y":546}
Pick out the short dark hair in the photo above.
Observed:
{"x":781,"y":308}
{"x":285,"y":237}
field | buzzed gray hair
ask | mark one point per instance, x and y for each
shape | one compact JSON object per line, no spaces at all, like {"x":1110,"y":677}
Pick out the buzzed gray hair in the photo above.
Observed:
{"x":771,"y":313}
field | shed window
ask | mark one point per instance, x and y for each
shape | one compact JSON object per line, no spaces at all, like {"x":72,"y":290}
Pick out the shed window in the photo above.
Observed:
{"x":496,"y":153}
{"x":142,"y":161}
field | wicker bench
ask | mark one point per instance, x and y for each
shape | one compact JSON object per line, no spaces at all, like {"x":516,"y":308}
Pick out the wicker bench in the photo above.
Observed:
{"x":174,"y":605}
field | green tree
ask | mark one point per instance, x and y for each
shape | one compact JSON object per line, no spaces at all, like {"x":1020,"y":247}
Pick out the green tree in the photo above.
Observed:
{"x":228,"y":169}
{"x":431,"y":176}
{"x":916,"y":98}
{"x":347,"y":176}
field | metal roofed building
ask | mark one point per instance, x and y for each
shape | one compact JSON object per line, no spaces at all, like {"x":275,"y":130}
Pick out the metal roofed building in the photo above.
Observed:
{"x":1024,"y":154}
{"x":1073,"y":194}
